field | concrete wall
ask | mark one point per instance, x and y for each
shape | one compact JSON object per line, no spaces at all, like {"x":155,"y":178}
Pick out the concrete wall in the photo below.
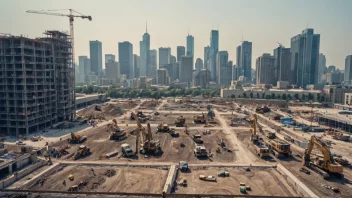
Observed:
{"x":300,"y":188}
{"x":170,"y":179}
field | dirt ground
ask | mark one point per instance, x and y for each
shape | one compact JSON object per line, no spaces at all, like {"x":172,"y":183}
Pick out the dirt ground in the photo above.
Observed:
{"x":106,"y":179}
{"x":150,"y":104}
{"x":109,"y":111}
{"x":186,"y":106}
{"x":238,"y":120}
{"x":263,"y":181}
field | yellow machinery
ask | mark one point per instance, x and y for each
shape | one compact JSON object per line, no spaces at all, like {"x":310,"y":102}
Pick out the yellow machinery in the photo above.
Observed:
{"x":76,"y":139}
{"x":163,"y":127}
{"x":279,"y":148}
{"x":199,"y":119}
{"x":324,"y":164}
{"x":262,"y":151}
{"x":262,"y":110}
{"x":116,"y":132}
{"x":148,"y":145}
{"x":81,"y":152}
{"x":180,"y":121}
{"x":254,"y":137}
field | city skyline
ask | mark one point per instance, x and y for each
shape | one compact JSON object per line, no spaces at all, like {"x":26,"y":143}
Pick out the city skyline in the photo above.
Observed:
{"x":231,"y":29}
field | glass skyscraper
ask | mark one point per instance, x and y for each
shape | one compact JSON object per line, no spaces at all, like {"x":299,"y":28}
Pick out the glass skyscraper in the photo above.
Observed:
{"x":96,"y":56}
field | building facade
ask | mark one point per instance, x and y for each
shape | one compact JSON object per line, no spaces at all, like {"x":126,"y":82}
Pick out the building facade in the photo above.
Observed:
{"x":265,"y":65}
{"x":198,"y":65}
{"x":214,"y":48}
{"x":348,"y":70}
{"x":136,"y":65}
{"x":164,"y":56}
{"x":190,"y":45}
{"x":96,"y":56}
{"x":206,"y":57}
{"x":126,"y":59}
{"x":109,"y":57}
{"x":144,"y":55}
{"x":112,"y":71}
{"x":203,"y":78}
{"x":163,"y":77}
{"x":321,"y":67}
{"x":282,"y":63}
{"x":153,"y":54}
{"x":246,"y":59}
{"x":186,"y":69}
{"x":223,"y":70}
{"x":181,"y":51}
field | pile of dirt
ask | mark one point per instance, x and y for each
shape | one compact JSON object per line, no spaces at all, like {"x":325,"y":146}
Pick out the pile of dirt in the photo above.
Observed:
{"x":110,"y":173}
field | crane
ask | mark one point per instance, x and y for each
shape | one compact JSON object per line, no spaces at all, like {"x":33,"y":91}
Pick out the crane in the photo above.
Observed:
{"x":254,"y":137}
{"x":73,"y":14}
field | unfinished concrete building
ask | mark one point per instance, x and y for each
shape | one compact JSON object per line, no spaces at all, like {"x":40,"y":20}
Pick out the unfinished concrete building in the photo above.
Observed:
{"x":36,"y":79}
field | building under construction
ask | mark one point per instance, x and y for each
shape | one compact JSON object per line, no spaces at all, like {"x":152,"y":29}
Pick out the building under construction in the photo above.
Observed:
{"x":36,"y":82}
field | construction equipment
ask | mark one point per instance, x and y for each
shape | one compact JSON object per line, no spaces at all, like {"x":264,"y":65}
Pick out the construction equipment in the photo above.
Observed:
{"x":76,"y":138}
{"x":200,"y":151}
{"x":262,"y":110}
{"x":180,"y":121}
{"x":163,"y":127}
{"x":97,"y":108}
{"x":279,"y":148}
{"x":207,"y":178}
{"x":243,"y":188}
{"x":151,"y":146}
{"x":140,"y":132}
{"x":183,"y":165}
{"x":223,"y":174}
{"x":325,"y":164}
{"x":198,"y":139}
{"x":117,"y":133}
{"x":199,"y":119}
{"x":126,"y":150}
{"x":254,"y":137}
{"x":81,"y":152}
{"x":71,"y":17}
{"x":35,"y":138}
{"x":262,"y":151}
{"x":270,"y":134}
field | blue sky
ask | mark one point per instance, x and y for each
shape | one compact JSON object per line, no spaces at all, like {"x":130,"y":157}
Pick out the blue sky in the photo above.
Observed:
{"x":262,"y":22}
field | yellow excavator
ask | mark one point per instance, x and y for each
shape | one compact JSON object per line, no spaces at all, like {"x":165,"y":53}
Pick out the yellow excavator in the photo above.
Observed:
{"x":324,"y":164}
{"x":116,"y":132}
{"x":254,"y":137}
{"x":180,"y":121}
{"x":76,"y":138}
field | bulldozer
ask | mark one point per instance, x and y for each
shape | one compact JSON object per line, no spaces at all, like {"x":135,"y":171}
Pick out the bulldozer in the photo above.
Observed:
{"x":76,"y":139}
{"x":81,"y":152}
{"x":199,"y":119}
{"x":117,"y":133}
{"x":325,"y":164}
{"x":279,"y":148}
{"x":254,"y":137}
{"x":180,"y":121}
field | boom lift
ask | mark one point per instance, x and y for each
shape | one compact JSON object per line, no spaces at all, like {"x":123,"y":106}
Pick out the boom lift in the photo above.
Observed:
{"x":325,"y":164}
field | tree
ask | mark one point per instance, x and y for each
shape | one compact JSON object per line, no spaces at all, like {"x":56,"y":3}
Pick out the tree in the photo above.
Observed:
{"x":268,"y":96}
{"x":284,"y":97}
{"x":304,"y":97}
{"x":263,"y":95}
{"x":310,"y":96}
{"x":233,"y":96}
{"x":273,"y":96}
{"x":251,"y":95}
{"x":296,"y":96}
{"x":244,"y":94}
{"x":279,"y":96}
{"x":258,"y":95}
{"x":322,"y":99}
{"x":289,"y":96}
{"x":318,"y":97}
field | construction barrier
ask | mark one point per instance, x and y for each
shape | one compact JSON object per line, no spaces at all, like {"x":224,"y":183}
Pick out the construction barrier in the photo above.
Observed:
{"x":170,"y":179}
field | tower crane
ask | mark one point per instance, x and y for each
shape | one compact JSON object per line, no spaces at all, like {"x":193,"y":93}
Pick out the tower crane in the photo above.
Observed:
{"x":73,"y":14}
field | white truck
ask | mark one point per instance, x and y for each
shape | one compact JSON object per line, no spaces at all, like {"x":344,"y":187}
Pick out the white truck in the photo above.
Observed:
{"x":126,"y":150}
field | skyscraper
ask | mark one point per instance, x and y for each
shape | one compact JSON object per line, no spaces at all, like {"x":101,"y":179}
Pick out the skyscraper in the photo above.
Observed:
{"x":181,"y":51}
{"x":96,"y":56}
{"x":186,"y":69}
{"x":153,"y":63}
{"x":164,"y":56}
{"x":214,"y":48}
{"x":112,"y":71}
{"x":223,"y":69}
{"x":126,"y":59}
{"x":163,"y":77}
{"x":145,"y":69}
{"x":136,"y":65}
{"x":348,"y":70}
{"x":264,"y":69}
{"x":244,"y":59}
{"x":203,"y":78}
{"x":304,"y":58}
{"x":282,"y":57}
{"x":81,"y":61}
{"x":190,"y":45}
{"x":321,"y":66}
{"x":206,"y":57}
{"x":109,"y":57}
{"x":199,"y":65}
{"x":239,"y":69}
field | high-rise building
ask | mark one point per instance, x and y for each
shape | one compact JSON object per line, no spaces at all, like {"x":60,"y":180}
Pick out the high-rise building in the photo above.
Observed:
{"x":186,"y":69}
{"x":264,"y":68}
{"x":234,"y":72}
{"x":112,"y":71}
{"x":164,"y":56}
{"x":190,"y":45}
{"x":239,"y":69}
{"x":304,"y":58}
{"x":203,"y":78}
{"x":81,"y":61}
{"x":126,"y":59}
{"x":109,"y":57}
{"x":153,"y":63}
{"x":163,"y":77}
{"x":96,"y":56}
{"x":136,"y":65}
{"x":199,"y":65}
{"x":181,"y":51}
{"x":321,"y":66}
{"x":335,"y":77}
{"x":282,"y":65}
{"x":223,"y":70}
{"x":245,"y":59}
{"x":214,"y":48}
{"x":206,"y":57}
{"x":145,"y":69}
{"x":348,"y":70}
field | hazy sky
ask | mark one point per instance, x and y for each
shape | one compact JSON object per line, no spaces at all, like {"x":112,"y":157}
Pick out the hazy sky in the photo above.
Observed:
{"x":259,"y":21}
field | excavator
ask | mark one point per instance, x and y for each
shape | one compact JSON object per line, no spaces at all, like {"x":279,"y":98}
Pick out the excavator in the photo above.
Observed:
{"x":166,"y":129}
{"x":199,"y":119}
{"x":254,"y":137}
{"x":76,"y":139}
{"x":81,"y":152}
{"x":324,"y":164}
{"x":151,"y":146}
{"x":117,"y":133}
{"x":180,"y":121}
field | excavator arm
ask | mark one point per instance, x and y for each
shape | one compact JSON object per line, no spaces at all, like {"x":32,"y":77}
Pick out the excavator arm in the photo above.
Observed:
{"x":323,"y":149}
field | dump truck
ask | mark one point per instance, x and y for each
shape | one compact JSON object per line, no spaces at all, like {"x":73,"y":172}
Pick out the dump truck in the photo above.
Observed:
{"x":207,"y":178}
{"x":81,"y":152}
{"x":200,"y":151}
{"x":262,"y":151}
{"x":180,"y":121}
{"x":127,"y":150}
{"x":199,"y":119}
{"x":198,"y":139}
{"x":279,"y":148}
{"x":76,"y":138}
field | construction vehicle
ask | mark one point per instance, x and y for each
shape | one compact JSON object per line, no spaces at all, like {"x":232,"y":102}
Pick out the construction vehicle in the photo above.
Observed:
{"x":200,"y":151}
{"x":116,"y":132}
{"x":81,"y":152}
{"x":180,"y":121}
{"x":35,"y":138}
{"x":199,"y":119}
{"x":76,"y":138}
{"x":211,"y":114}
{"x":262,"y":151}
{"x":97,"y":108}
{"x":243,"y":188}
{"x":126,"y":150}
{"x":207,"y":178}
{"x":342,"y":161}
{"x":254,"y":137}
{"x":270,"y":134}
{"x":223,"y":174}
{"x":163,"y":127}
{"x":151,"y":146}
{"x":279,"y":148}
{"x":325,"y":165}
{"x":198,"y":139}
{"x":262,"y":110}
{"x":183,"y":166}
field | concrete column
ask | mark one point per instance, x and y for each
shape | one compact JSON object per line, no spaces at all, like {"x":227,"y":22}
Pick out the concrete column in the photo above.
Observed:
{"x":10,"y":168}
